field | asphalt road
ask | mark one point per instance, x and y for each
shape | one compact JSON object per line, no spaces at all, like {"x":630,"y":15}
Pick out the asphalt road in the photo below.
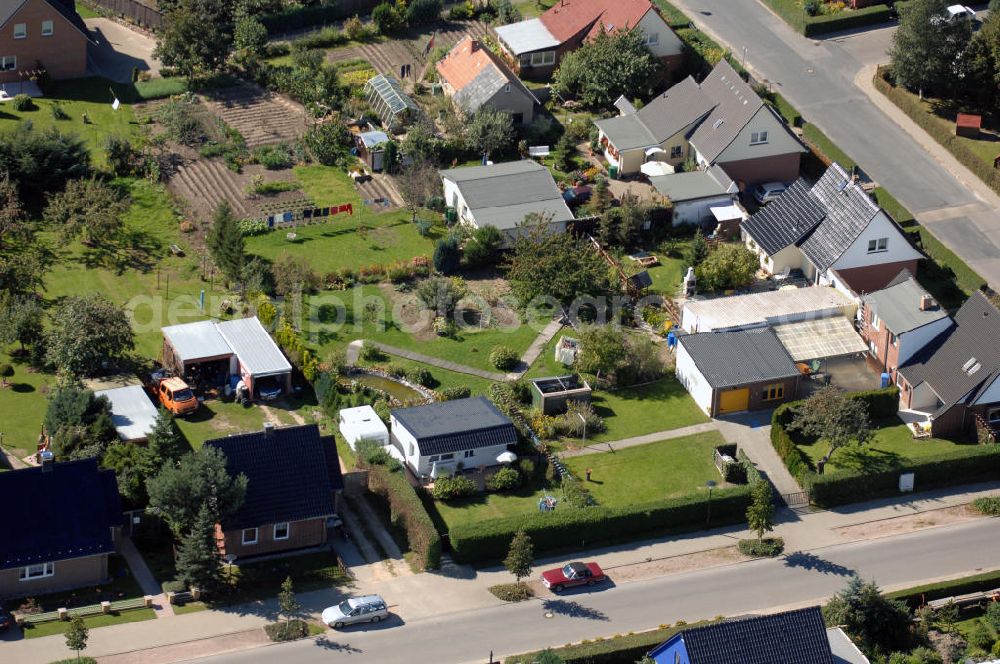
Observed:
{"x":797,"y":579}
{"x":817,"y":77}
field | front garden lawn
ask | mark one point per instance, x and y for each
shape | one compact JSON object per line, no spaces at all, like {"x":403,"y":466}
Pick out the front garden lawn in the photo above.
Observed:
{"x":100,"y":620}
{"x":217,"y":419}
{"x":490,"y":505}
{"x":643,"y":473}
{"x":891,"y":445}
{"x":635,"y":411}
{"x":309,"y":571}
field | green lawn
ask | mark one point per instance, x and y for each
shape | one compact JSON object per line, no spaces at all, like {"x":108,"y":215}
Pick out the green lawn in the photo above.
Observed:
{"x":310,"y":571}
{"x":892,"y":444}
{"x":216,"y":419}
{"x":667,"y":275}
{"x":546,"y":363}
{"x":76,"y":97}
{"x":443,"y":378}
{"x":490,"y":505}
{"x":101,"y":620}
{"x":649,"y":472}
{"x":85,"y":11}
{"x":635,"y":411}
{"x":332,"y":323}
{"x":387,"y":236}
{"x":23,"y":406}
{"x":533,"y":8}
{"x":822,"y":143}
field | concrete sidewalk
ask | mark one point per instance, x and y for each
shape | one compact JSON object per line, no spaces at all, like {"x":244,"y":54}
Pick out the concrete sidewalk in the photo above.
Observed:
{"x":459,"y":588}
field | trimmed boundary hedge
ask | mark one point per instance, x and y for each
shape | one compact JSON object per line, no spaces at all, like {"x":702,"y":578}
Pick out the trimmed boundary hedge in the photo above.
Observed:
{"x":408,"y":512}
{"x":918,"y":595}
{"x":926,"y":121}
{"x":613,"y":650}
{"x":839,"y":487}
{"x":793,"y":14}
{"x":488,"y":541}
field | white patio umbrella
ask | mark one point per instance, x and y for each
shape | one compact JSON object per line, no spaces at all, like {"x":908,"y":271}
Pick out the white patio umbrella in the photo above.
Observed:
{"x":656,"y":168}
{"x":506,"y":457}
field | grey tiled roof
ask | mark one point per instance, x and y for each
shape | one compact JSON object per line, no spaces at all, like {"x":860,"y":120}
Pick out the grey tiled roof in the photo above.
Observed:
{"x":728,"y":359}
{"x":898,"y":305}
{"x":942,"y":363}
{"x":690,"y":186}
{"x":290,"y":476}
{"x":849,"y":210}
{"x":791,"y":637}
{"x":734,"y":103}
{"x":786,"y":221}
{"x":664,"y":116}
{"x":451,"y":426}
{"x":627,"y":132}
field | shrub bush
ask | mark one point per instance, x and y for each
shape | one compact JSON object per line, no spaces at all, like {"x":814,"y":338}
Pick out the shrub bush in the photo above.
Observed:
{"x":504,"y":479}
{"x":420,"y":376}
{"x":987,"y":505}
{"x":574,"y":493}
{"x":503,"y":358}
{"x":22,"y":102}
{"x":512,"y":592}
{"x":407,"y":513}
{"x":173,"y":586}
{"x":451,"y":488}
{"x":251,"y":227}
{"x":58,"y":113}
{"x":452,"y":393}
{"x":487,"y":540}
{"x":806,"y":19}
{"x":387,"y":18}
{"x":768,"y":547}
{"x":423,"y":12}
{"x":274,"y":157}
{"x":287,"y":631}
{"x":733,"y":472}
{"x":298,"y":16}
{"x":372,"y":353}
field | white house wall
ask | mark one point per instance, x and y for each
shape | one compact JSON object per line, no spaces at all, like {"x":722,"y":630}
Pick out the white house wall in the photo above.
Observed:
{"x":420,"y":463}
{"x":779,"y":139}
{"x":453,"y":198}
{"x":911,"y":342}
{"x":669,"y":43}
{"x":991,"y":395}
{"x":899,"y":249}
{"x":924,"y":398}
{"x":692,"y":379}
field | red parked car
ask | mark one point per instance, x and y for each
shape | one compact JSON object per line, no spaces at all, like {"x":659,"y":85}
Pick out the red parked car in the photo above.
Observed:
{"x":573,"y":574}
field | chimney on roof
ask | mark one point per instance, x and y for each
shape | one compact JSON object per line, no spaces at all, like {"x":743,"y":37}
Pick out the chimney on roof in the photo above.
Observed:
{"x":47,"y":459}
{"x":926,"y":302}
{"x":268,"y":428}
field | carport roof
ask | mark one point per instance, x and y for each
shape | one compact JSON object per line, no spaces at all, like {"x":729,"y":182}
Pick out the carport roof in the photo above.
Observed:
{"x":254,"y":347}
{"x":132,"y":413}
{"x":197,"y":341}
{"x":820,"y":339}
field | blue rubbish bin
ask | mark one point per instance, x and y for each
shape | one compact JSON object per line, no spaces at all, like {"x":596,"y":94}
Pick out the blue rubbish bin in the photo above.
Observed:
{"x":885,"y":380}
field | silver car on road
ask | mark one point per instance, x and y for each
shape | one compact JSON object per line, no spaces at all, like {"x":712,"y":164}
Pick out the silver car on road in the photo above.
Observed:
{"x":368,"y":608}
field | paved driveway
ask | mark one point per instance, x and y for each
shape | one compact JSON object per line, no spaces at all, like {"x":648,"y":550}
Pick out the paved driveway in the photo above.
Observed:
{"x":818,"y":77}
{"x":118,"y":50}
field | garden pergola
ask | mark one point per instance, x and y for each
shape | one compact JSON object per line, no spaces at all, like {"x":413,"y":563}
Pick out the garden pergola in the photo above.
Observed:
{"x":393,"y":106}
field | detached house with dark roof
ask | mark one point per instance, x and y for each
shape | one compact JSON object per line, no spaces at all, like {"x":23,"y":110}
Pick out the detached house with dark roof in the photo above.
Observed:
{"x":59,"y":524}
{"x":790,"y":637}
{"x":728,"y":372}
{"x":833,"y":232}
{"x":720,"y":121}
{"x":41,"y":34}
{"x":537,"y":45}
{"x":953,"y":383}
{"x":293,"y":479}
{"x":898,"y":321}
{"x":474,"y":77}
{"x":449,"y":436}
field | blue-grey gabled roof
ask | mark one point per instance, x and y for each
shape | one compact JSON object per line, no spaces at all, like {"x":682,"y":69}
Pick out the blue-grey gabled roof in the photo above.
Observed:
{"x":291,"y":473}
{"x":790,"y":637}
{"x":64,"y":512}
{"x":786,"y":221}
{"x":461,"y":424}
{"x":730,"y":359}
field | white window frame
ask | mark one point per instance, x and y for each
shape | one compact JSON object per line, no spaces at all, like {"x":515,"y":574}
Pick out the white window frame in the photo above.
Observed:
{"x":652,"y":38}
{"x":4,"y":59}
{"x":873,"y":347}
{"x":46,"y":570}
{"x":875,"y":321}
{"x":758,"y":138}
{"x":469,"y":454}
{"x":542,"y":58}
{"x":51,"y":28}
{"x":878,"y":245}
{"x":676,"y":151}
{"x":20,"y":31}
{"x":256,"y":536}
{"x":274,"y":532}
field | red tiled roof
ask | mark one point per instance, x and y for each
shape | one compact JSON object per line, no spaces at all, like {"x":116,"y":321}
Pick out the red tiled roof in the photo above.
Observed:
{"x":568,"y":17}
{"x":464,"y":62}
{"x":969,"y":120}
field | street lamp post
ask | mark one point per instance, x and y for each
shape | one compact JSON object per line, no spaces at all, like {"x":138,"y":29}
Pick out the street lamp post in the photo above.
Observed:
{"x":230,"y":559}
{"x":711,"y":485}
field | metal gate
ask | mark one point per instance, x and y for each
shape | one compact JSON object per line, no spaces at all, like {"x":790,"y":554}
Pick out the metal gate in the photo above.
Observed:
{"x":798,"y":499}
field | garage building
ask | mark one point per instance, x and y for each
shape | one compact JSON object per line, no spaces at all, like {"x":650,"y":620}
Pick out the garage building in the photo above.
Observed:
{"x":132,"y":413}
{"x":728,"y":372}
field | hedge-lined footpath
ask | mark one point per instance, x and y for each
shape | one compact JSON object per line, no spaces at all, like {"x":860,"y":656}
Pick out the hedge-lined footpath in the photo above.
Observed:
{"x":580,"y":528}
{"x":966,"y":464}
{"x":918,"y":595}
{"x":913,"y":107}
{"x":613,"y":650}
{"x":408,"y":513}
{"x":792,"y":12}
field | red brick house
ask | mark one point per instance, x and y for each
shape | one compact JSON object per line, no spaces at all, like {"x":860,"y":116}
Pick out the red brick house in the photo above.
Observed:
{"x":953,"y":384}
{"x":536,"y":46}
{"x":898,"y":321}
{"x":41,"y":34}
{"x":293,"y":479}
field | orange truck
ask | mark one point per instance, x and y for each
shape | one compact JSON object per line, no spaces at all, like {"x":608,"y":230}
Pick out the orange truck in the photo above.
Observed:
{"x":174,"y":394}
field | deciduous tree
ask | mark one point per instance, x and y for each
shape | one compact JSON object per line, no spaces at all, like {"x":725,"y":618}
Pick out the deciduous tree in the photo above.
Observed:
{"x":416,"y":183}
{"x":88,"y":209}
{"x":14,"y":225}
{"x":249,"y":39}
{"x":607,"y":67}
{"x":287,"y":603}
{"x":196,"y":36}
{"x":490,"y":130}
{"x":20,"y":320}
{"x":520,"y":556}
{"x":833,"y":416}
{"x":760,"y":511}
{"x":77,"y":635}
{"x":729,"y":266}
{"x":925,"y":48}
{"x":88,"y":332}
{"x":602,"y":350}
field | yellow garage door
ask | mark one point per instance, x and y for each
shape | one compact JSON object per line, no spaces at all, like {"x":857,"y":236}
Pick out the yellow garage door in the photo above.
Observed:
{"x":731,"y":401}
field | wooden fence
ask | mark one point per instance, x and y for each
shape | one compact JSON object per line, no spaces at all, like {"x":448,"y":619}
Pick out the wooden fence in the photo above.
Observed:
{"x":133,"y":11}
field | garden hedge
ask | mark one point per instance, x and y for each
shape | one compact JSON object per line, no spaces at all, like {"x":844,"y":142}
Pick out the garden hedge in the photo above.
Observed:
{"x":488,"y":541}
{"x":938,"y":131}
{"x":918,"y":595}
{"x":296,"y":18}
{"x":792,"y":12}
{"x":615,"y":650}
{"x":408,"y":512}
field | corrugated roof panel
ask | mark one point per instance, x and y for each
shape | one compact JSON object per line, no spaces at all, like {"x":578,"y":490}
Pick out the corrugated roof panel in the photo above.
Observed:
{"x":132,"y":413}
{"x":197,"y":341}
{"x":255,"y":348}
